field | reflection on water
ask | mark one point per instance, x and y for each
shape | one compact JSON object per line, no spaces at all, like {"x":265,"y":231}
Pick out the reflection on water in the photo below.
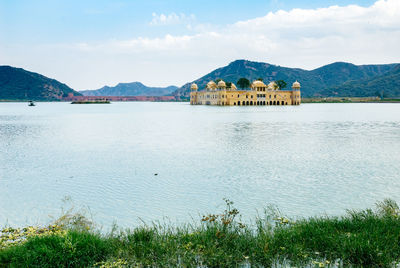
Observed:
{"x":308,"y":159}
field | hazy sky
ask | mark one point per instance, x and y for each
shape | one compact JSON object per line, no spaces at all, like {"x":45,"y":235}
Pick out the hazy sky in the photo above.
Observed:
{"x":92,"y":43}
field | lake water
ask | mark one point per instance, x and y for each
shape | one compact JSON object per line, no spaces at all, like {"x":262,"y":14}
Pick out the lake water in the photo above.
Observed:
{"x":310,"y":159}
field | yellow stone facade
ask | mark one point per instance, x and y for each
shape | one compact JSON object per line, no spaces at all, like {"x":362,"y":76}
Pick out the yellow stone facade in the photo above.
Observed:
{"x":259,"y":94}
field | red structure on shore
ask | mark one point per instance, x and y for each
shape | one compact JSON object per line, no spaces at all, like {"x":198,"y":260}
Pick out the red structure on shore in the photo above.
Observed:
{"x":71,"y":97}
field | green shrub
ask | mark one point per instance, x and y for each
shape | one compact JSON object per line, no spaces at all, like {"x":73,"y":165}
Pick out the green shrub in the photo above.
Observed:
{"x":74,"y":249}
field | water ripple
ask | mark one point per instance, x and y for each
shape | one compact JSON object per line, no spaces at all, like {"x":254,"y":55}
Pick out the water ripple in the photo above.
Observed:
{"x":308,"y":160}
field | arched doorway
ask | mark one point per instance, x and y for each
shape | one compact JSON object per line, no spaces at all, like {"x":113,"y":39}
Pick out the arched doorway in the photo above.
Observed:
{"x":263,"y":103}
{"x":251,"y":103}
{"x":247,"y":103}
{"x":244,"y":103}
{"x":274,"y":103}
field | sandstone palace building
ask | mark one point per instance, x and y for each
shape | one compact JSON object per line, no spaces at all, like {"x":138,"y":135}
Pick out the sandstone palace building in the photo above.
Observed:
{"x":259,"y":94}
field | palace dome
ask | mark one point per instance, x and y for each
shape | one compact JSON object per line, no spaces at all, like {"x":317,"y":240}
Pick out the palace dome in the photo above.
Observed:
{"x":258,"y":83}
{"x":296,"y":85}
{"x":272,"y":85}
{"x":211,"y":85}
{"x":194,"y":86}
{"x":221,"y":84}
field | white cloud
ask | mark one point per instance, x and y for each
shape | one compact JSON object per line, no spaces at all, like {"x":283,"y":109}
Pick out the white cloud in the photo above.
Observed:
{"x":305,"y":38}
{"x":171,"y":18}
{"x":321,"y":35}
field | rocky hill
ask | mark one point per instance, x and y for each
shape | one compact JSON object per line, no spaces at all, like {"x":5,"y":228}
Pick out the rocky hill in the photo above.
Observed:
{"x":130,"y":89}
{"x":314,"y":82}
{"x":19,"y":84}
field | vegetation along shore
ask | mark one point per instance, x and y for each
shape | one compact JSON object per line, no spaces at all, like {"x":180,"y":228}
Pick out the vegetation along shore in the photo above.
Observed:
{"x":351,"y":100}
{"x":359,"y":238}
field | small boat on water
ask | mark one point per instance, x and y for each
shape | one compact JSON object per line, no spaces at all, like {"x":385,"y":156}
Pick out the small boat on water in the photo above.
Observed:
{"x":31,"y":103}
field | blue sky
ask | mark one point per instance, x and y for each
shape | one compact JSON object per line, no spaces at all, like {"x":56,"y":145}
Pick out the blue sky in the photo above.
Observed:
{"x":76,"y":20}
{"x":88,"y":44}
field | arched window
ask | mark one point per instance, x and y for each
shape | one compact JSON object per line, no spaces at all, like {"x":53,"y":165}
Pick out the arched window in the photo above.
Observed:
{"x":243,"y":102}
{"x":247,"y":103}
{"x":274,"y":103}
{"x":251,"y":103}
{"x":270,"y":102}
{"x":263,"y":103}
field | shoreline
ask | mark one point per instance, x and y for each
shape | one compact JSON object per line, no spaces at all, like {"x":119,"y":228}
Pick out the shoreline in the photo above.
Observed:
{"x":349,"y":100}
{"x":304,"y":100}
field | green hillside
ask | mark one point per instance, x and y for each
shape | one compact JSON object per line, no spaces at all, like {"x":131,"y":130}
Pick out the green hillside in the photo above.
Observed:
{"x":385,"y":85}
{"x":313,"y":82}
{"x":19,"y":84}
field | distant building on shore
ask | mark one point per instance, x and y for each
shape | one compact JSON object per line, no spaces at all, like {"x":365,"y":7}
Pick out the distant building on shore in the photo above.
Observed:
{"x":259,"y":94}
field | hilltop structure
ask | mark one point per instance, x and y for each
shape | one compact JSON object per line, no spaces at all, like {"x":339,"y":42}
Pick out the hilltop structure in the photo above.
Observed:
{"x":259,"y":94}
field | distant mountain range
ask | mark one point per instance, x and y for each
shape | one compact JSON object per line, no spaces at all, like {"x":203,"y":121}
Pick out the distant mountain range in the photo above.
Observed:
{"x":337,"y":79}
{"x":19,"y":84}
{"x":130,"y":89}
{"x":324,"y":81}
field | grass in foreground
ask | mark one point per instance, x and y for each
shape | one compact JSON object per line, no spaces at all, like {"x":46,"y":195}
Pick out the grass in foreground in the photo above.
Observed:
{"x":360,"y":238}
